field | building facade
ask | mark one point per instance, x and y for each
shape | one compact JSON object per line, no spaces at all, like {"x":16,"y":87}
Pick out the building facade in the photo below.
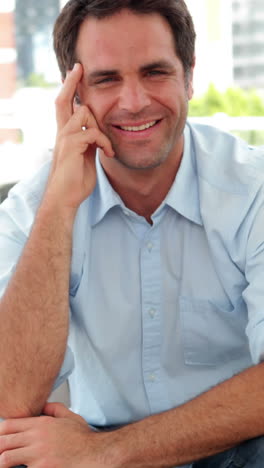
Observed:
{"x":8,"y":70}
{"x":214,"y":56}
{"x":248,"y":43}
{"x":34,"y":23}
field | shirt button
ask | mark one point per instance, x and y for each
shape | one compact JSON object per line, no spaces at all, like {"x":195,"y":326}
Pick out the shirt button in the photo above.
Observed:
{"x":150,"y":246}
{"x":152,"y":313}
{"x":152,"y":377}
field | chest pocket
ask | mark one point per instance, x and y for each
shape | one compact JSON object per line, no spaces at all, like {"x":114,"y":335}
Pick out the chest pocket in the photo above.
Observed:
{"x":213,"y":335}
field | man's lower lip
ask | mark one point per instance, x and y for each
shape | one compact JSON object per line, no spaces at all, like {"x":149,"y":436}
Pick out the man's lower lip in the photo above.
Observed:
{"x":138,"y":134}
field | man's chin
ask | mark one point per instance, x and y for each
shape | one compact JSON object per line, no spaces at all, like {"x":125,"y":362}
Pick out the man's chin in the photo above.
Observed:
{"x":139,"y":164}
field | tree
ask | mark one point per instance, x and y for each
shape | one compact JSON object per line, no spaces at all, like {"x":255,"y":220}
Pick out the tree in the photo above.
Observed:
{"x":233,"y":102}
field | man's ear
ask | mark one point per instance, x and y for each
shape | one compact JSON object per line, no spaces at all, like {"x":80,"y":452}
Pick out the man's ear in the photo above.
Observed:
{"x":77,"y":99}
{"x":190,"y":80}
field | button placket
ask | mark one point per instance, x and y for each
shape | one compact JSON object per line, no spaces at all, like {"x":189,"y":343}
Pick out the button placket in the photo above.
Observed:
{"x":151,"y":318}
{"x":152,"y":313}
{"x":152,"y":377}
{"x":150,"y":246}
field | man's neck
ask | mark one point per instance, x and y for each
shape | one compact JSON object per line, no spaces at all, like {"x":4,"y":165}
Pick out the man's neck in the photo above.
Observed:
{"x":142,"y":191}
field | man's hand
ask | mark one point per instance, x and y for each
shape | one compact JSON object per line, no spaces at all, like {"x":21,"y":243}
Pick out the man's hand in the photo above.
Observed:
{"x":59,"y":439}
{"x":73,"y":174}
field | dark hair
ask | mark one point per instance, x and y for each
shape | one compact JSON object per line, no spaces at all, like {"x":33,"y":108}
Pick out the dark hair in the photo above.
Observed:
{"x":74,"y":13}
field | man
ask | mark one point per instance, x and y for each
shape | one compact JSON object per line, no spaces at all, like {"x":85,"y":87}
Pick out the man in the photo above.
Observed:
{"x":155,"y":245}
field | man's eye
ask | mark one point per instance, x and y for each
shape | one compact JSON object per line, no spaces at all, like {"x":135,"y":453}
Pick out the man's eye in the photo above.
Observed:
{"x":155,"y":72}
{"x":105,"y":80}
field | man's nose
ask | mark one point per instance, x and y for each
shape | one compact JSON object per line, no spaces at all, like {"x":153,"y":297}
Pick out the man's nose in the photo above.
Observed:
{"x":133,"y":97}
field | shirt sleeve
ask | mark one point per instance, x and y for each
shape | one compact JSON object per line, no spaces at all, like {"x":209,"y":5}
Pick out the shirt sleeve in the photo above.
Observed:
{"x":17,"y":214}
{"x":254,"y":292}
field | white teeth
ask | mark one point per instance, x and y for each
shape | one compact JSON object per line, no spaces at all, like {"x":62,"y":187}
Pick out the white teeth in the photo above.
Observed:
{"x":139,"y":129}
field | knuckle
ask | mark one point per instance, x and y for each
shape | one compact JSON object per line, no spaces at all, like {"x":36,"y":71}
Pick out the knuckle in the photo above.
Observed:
{"x":95,"y":132}
{"x":58,"y":101}
{"x":3,"y":444}
{"x":6,"y":426}
{"x":5,"y":459}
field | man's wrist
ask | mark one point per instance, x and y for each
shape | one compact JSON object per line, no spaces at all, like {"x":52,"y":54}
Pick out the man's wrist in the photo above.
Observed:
{"x":112,"y":449}
{"x":55,"y":210}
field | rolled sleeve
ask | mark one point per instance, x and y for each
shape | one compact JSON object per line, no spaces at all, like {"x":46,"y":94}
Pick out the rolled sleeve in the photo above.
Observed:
{"x":12,"y":242}
{"x":66,"y":368}
{"x":254,"y":293}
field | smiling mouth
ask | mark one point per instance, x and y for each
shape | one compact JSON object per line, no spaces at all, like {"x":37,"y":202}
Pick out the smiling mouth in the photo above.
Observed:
{"x":140,"y":128}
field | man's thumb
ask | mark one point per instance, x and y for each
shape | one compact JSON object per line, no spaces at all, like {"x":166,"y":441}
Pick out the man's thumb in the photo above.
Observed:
{"x":58,"y":410}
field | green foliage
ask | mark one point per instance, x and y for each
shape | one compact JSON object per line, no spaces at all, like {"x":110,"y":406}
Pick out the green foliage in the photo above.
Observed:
{"x":236,"y":102}
{"x":233,"y":102}
{"x":253,"y":137}
{"x":256,"y":104}
{"x":37,"y":80}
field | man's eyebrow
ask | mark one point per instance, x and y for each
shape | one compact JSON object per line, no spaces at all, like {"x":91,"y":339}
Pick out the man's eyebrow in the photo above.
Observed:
{"x":162,"y":64}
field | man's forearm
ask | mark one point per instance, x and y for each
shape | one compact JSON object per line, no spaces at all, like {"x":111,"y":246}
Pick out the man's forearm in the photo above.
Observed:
{"x":34,"y":316}
{"x":213,"y":422}
{"x":34,"y":310}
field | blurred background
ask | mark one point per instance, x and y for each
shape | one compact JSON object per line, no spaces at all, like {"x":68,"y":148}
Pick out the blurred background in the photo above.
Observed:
{"x":229,"y":76}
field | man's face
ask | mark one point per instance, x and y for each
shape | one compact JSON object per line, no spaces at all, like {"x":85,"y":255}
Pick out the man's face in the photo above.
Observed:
{"x":134,"y":84}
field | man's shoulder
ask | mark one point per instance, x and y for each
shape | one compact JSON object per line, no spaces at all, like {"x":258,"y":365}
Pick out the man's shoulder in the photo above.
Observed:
{"x":31,"y":188}
{"x":225,"y":161}
{"x":230,"y":180}
{"x":18,"y":210}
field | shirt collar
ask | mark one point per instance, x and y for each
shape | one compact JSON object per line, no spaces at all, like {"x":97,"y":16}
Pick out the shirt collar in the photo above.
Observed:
{"x":183,"y":196}
{"x":104,"y":197}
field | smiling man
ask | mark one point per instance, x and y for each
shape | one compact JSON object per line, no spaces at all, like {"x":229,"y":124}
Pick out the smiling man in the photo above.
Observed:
{"x":133,"y":264}
{"x":130,"y":74}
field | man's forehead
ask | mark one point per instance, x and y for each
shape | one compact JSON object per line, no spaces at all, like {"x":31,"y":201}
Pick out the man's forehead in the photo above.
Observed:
{"x":124,"y":34}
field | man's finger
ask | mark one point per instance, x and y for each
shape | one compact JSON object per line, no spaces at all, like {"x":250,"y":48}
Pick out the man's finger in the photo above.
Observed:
{"x":14,"y":426}
{"x":11,"y":441}
{"x":65,"y":99}
{"x":93,"y":136}
{"x":58,"y":410}
{"x":82,"y":118}
{"x":14,"y":458}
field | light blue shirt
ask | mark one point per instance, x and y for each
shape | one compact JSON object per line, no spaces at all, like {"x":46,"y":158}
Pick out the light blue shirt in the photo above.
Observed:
{"x":159,"y":313}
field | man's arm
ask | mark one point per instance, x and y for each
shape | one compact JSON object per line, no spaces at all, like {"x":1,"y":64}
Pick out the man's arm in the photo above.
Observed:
{"x":219,"y":419}
{"x":34,"y":309}
{"x":34,"y":317}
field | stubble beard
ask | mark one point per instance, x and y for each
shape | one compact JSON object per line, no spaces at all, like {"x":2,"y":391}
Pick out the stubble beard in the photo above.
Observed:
{"x":141,"y":158}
